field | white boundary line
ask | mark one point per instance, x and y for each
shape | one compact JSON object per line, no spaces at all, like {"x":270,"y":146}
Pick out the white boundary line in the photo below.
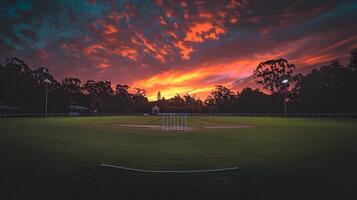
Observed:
{"x":170,"y":171}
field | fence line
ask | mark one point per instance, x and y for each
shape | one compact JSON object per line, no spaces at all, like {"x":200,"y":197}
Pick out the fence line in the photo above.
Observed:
{"x":298,"y":115}
{"x":23,"y":115}
{"x":295,"y":115}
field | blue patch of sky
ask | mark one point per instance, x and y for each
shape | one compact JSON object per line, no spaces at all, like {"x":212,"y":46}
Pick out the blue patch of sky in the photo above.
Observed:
{"x":146,"y":8}
{"x":24,"y":5}
{"x":59,"y":25}
{"x":330,"y":20}
{"x":25,"y":42}
{"x":82,"y":6}
{"x":12,"y":11}
{"x":340,"y":11}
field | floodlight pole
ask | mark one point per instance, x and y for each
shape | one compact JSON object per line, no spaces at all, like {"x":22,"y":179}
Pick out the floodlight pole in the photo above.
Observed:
{"x":46,"y":82}
{"x":285,"y":82}
{"x":46,"y":102}
{"x":285,"y":105}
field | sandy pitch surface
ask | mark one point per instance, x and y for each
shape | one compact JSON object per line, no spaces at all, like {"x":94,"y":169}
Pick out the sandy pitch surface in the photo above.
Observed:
{"x":187,"y":128}
{"x":138,"y":126}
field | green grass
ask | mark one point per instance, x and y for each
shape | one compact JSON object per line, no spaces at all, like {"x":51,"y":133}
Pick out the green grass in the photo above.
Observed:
{"x":57,"y":158}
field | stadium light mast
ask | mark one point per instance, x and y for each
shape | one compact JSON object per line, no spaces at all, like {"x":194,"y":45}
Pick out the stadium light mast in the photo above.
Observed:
{"x":46,"y":82}
{"x":285,"y":82}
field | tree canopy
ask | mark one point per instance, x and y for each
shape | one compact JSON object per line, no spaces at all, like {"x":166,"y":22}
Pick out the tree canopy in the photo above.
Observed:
{"x":271,"y":73}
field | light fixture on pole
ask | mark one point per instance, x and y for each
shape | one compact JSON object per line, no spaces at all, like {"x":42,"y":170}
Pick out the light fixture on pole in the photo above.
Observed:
{"x":285,"y":81}
{"x":46,"y":82}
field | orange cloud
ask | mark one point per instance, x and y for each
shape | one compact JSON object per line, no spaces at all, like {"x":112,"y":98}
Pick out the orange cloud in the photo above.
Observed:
{"x":159,"y":2}
{"x":162,"y":21}
{"x":169,"y":12}
{"x":110,"y":29}
{"x":183,"y":4}
{"x":316,"y":59}
{"x":157,"y":53}
{"x":149,"y":45}
{"x":104,"y":63}
{"x":134,"y":40}
{"x":186,"y":15}
{"x":184,"y":50}
{"x":233,"y":4}
{"x":115,"y":16}
{"x":222,"y":14}
{"x":233,"y":20}
{"x":93,"y":49}
{"x":202,"y":31}
{"x":172,"y":34}
{"x":132,"y":54}
{"x":206,"y":15}
{"x":160,"y":58}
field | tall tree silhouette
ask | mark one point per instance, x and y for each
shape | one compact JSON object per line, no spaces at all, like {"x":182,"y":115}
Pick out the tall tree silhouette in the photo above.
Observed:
{"x":271,"y":72}
{"x":122,"y":97}
{"x":158,"y":97}
{"x":332,"y":88}
{"x":18,"y":86}
{"x":249,"y":100}
{"x":353,"y":60}
{"x":72,"y":92}
{"x":221,"y":98}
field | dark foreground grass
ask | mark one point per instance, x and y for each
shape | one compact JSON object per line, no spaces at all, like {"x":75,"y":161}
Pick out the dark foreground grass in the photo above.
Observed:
{"x":57,"y":158}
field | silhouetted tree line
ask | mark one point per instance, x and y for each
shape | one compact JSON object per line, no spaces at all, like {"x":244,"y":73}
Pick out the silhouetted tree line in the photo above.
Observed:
{"x":25,"y":88}
{"x":330,"y":88}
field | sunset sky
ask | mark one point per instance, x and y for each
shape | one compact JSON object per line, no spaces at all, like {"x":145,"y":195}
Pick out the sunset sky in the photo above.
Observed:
{"x":175,"y":46}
